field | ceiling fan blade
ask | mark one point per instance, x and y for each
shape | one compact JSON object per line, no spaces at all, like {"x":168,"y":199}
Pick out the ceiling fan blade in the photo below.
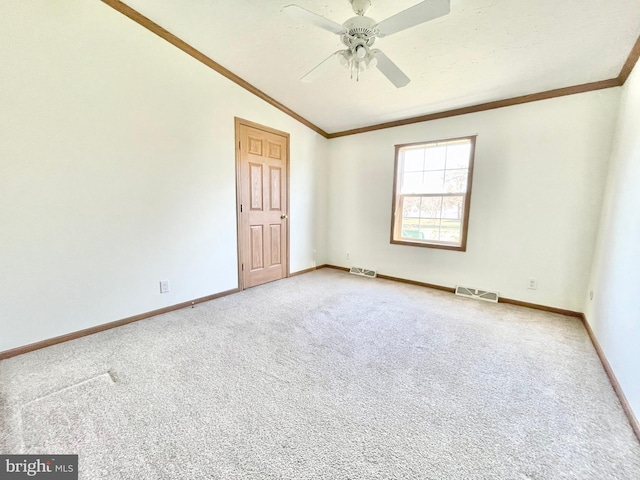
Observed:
{"x":420,"y":13}
{"x":391,"y":70}
{"x":320,"y":69}
{"x":307,"y":16}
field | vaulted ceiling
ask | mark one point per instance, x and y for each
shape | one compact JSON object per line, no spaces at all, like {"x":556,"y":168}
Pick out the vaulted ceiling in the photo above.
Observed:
{"x":483,"y":51}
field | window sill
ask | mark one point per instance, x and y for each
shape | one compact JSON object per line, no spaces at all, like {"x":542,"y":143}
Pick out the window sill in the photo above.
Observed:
{"x":441,"y":246}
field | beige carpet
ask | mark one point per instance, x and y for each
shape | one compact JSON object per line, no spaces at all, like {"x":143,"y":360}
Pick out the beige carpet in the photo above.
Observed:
{"x":325,"y":376}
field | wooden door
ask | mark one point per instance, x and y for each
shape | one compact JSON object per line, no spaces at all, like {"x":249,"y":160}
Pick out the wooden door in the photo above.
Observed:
{"x":262,"y":166}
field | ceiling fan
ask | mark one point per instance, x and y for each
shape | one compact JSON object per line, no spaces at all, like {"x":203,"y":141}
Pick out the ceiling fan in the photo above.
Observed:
{"x":359,"y":33}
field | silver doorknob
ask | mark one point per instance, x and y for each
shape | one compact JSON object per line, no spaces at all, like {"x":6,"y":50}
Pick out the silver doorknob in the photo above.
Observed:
{"x":284,"y":216}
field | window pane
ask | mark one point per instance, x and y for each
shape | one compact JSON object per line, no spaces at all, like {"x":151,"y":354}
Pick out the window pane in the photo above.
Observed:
{"x":423,"y":182}
{"x":455,"y":181}
{"x":410,"y":229}
{"x":458,"y":156}
{"x":410,"y":218}
{"x":413,"y":160}
{"x":450,"y":231}
{"x":412,"y":182}
{"x":435,"y":158}
{"x":429,"y":229}
{"x":452,"y":207}
{"x":411,"y":207}
{"x":431,"y":207}
{"x":433,"y":182}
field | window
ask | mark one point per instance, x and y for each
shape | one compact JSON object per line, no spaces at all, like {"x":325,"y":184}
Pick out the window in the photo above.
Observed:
{"x":431,"y":193}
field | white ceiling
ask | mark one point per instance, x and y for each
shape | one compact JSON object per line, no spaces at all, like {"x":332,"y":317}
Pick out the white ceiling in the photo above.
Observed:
{"x":484,"y":50}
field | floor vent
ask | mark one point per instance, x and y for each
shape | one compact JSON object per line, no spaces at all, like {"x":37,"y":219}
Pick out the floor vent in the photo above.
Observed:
{"x":363,"y":272}
{"x":478,"y":294}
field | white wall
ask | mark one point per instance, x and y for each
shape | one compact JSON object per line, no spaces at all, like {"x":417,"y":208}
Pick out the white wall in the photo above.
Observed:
{"x":117,"y":170}
{"x":539,"y":176}
{"x":614,"y":312}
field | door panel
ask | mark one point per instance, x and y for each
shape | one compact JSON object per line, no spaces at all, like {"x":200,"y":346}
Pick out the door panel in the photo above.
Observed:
{"x":276,"y":182}
{"x":262,"y":184}
{"x":276,"y":241}
{"x":275,"y":151}
{"x":255,"y":145}
{"x":255,"y":178}
{"x":257,"y":247}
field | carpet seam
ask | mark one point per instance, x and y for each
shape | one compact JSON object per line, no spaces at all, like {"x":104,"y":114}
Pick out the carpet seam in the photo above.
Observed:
{"x":64,"y":389}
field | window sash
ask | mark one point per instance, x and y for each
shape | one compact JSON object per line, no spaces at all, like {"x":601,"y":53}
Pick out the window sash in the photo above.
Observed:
{"x":399,"y":220}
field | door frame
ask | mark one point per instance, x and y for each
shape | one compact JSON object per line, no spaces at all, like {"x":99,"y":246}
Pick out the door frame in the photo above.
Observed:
{"x":240,"y":235}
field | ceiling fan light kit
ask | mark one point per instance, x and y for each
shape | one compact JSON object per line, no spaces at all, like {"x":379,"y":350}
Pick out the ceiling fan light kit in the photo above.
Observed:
{"x":359,"y":33}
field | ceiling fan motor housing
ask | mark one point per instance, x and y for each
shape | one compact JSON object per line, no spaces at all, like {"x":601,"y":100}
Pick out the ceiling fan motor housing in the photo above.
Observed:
{"x":360,"y":30}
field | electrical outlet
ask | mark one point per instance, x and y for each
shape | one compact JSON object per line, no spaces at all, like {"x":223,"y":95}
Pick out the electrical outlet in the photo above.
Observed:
{"x":165,"y":287}
{"x":533,"y":284}
{"x":348,"y":255}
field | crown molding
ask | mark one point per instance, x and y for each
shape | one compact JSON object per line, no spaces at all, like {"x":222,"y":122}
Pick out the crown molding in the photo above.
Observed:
{"x":631,"y":62}
{"x":508,"y":102}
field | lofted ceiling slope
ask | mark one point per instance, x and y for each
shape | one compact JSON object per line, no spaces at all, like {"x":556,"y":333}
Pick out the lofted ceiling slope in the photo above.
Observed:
{"x":483,"y":51}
